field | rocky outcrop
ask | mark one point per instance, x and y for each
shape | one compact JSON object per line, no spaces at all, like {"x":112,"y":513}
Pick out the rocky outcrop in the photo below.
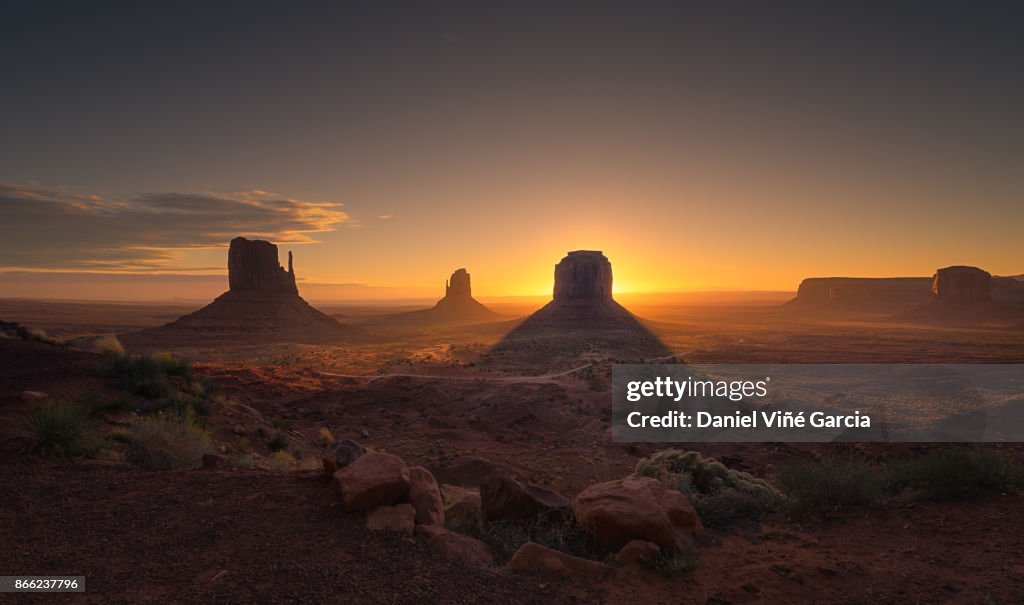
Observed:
{"x":636,"y":508}
{"x":533,"y":557}
{"x":399,"y":518}
{"x":455,"y":546}
{"x":886,"y":293}
{"x":582,"y":295}
{"x":582,"y":318}
{"x":583,"y":275}
{"x":637,"y":552}
{"x":960,"y":283}
{"x":461,"y":505}
{"x":1007,"y":290}
{"x":374,"y":479}
{"x":253,"y":265}
{"x":963,"y":295}
{"x":340,"y":454}
{"x":504,"y":498}
{"x":458,"y":287}
{"x":261,"y":304}
{"x":425,"y":497}
{"x":457,"y":307}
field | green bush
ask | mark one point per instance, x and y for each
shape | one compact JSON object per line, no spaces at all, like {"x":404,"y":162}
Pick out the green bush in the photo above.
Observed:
{"x":164,"y":442}
{"x":150,"y":375}
{"x":62,"y":428}
{"x":719,"y":494}
{"x":958,"y":473}
{"x":834,"y":482}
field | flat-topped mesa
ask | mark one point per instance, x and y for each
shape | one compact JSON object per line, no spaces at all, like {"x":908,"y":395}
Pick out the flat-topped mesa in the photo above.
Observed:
{"x":583,"y":275}
{"x":863,"y":291}
{"x":254,"y":265}
{"x":960,"y":283}
{"x":457,"y":287}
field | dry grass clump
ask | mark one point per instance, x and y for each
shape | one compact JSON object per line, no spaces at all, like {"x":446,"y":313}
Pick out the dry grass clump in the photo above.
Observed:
{"x":165,"y":442}
{"x":62,"y":428}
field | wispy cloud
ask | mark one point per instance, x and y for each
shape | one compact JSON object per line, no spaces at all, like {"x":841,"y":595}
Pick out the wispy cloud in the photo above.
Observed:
{"x":385,"y":217}
{"x":53,"y":229}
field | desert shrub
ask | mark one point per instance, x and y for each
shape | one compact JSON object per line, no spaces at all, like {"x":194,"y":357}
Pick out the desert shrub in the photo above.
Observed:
{"x":120,"y":403}
{"x":121,"y":436}
{"x":833,"y":482}
{"x":278,"y":442}
{"x":104,"y":344}
{"x":245,"y":460}
{"x":205,"y":388}
{"x":168,"y":383}
{"x":108,"y":344}
{"x":958,"y":473}
{"x":281,"y":461}
{"x":721,"y":495}
{"x":150,"y":375}
{"x":325,"y":437}
{"x":62,"y":428}
{"x":163,"y":442}
{"x":154,"y":388}
{"x":694,"y":473}
{"x":672,"y":563}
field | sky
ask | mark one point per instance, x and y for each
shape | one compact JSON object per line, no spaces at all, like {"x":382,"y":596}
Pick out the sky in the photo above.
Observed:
{"x":703,"y":145}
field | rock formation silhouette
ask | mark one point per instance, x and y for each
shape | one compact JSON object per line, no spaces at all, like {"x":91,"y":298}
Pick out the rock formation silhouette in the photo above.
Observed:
{"x":887,"y":293}
{"x":253,"y":265}
{"x":457,"y":306}
{"x":262,"y":303}
{"x":960,"y":284}
{"x":1007,"y":289}
{"x":969,"y":295}
{"x":583,"y":292}
{"x":582,"y":319}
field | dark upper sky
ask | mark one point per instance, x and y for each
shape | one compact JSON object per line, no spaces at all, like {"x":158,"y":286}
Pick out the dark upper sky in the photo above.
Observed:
{"x":573,"y":123}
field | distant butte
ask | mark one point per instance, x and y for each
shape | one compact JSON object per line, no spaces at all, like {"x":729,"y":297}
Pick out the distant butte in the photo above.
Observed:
{"x":959,"y":294}
{"x":457,"y":306}
{"x":583,"y":291}
{"x":969,"y":295}
{"x":262,"y":303}
{"x":581,"y":321}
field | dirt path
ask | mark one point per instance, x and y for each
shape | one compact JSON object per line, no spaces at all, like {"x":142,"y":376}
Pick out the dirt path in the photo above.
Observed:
{"x":544,"y":378}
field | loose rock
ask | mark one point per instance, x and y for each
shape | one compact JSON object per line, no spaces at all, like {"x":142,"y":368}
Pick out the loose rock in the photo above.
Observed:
{"x":400,"y":518}
{"x":374,"y":479}
{"x":425,"y":497}
{"x":636,"y":508}
{"x":503,"y":497}
{"x":536,"y":558}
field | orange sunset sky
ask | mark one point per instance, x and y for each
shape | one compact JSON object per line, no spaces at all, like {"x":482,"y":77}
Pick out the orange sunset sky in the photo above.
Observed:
{"x":699,"y":148}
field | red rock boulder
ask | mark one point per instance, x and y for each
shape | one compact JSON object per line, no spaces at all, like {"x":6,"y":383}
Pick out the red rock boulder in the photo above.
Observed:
{"x":455,"y":546}
{"x":340,"y":454}
{"x":425,"y":497}
{"x":400,"y":518}
{"x":536,"y":558}
{"x":374,"y":479}
{"x":461,"y":505}
{"x":503,"y":497}
{"x":636,"y":508}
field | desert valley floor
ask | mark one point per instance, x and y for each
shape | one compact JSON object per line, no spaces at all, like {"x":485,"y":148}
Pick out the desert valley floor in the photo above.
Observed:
{"x":260,"y":528}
